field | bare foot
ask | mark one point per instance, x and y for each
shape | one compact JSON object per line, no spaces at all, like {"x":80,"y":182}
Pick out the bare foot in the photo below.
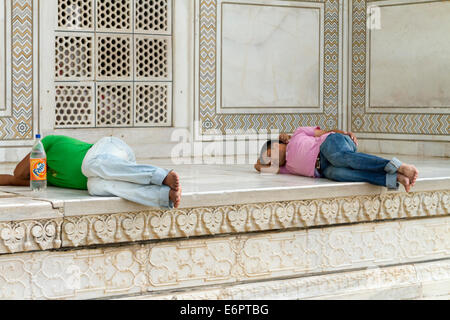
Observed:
{"x":404,"y":180}
{"x":172,"y":180}
{"x":175,"y":197}
{"x":410,"y":171}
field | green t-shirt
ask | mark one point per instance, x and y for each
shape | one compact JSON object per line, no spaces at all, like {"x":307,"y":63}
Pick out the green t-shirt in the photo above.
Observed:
{"x":64,"y":158}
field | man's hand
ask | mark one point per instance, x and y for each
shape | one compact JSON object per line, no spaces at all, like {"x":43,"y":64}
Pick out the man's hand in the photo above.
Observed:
{"x":284,"y":137}
{"x":10,"y":180}
{"x":266,"y":168}
{"x":258,"y":166}
{"x":22,"y":170}
{"x":319,"y":133}
{"x":352,"y":136}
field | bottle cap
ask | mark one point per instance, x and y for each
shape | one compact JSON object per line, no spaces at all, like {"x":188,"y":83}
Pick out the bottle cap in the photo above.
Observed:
{"x":38,"y":136}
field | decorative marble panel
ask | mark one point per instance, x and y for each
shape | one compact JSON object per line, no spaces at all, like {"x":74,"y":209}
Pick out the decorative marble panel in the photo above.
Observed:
{"x":151,"y":267}
{"x":153,"y":16}
{"x":153,"y":58}
{"x":263,"y":68}
{"x":114,"y":15}
{"x":19,"y":236}
{"x":114,"y":57}
{"x":163,"y":224}
{"x":152,"y":104}
{"x":17,"y":91}
{"x":398,"y":282}
{"x":270,"y":58}
{"x":415,"y":74}
{"x":3,"y":58}
{"x":74,"y":57}
{"x":211,"y":122}
{"x":114,"y":103}
{"x":74,"y":105}
{"x":392,"y":123}
{"x":76,"y":14}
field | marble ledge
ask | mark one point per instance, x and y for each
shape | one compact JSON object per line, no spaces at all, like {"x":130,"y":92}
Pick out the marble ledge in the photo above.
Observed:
{"x":221,"y":185}
{"x":14,"y":207}
{"x":214,"y":202}
{"x":220,"y":193}
{"x":52,"y":229}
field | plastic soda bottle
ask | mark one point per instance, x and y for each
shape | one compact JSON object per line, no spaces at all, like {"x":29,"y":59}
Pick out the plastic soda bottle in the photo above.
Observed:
{"x":38,"y":166}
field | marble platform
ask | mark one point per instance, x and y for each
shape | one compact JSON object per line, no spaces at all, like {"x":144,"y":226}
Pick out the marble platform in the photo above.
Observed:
{"x":236,"y":229}
{"x":230,"y":184}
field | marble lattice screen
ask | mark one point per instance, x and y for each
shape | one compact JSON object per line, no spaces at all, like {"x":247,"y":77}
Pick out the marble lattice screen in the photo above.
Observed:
{"x":117,"y":57}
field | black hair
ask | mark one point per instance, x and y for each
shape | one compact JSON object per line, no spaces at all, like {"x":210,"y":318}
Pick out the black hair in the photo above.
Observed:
{"x":266,"y":146}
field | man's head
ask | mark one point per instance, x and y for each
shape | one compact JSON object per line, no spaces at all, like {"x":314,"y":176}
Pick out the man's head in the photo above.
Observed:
{"x":273,"y":152}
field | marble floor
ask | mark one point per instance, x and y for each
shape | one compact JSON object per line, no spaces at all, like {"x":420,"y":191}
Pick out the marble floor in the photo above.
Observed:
{"x":217,"y":184}
{"x":211,"y":178}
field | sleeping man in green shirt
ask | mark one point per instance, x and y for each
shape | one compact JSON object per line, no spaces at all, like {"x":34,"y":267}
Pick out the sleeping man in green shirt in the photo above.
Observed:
{"x":106,"y":168}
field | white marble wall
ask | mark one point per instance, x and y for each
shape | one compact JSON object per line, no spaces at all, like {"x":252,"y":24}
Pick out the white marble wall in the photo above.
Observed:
{"x":399,"y":75}
{"x":270,"y":58}
{"x":2,"y":58}
{"x":408,"y":67}
{"x":147,"y":142}
{"x":280,"y":72}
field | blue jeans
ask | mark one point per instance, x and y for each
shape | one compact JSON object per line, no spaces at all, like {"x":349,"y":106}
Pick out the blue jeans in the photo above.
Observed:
{"x":340,"y":161}
{"x":111,"y":168}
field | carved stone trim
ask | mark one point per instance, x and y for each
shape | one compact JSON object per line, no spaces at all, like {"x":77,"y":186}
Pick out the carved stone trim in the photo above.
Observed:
{"x":169,"y":265}
{"x":399,"y":282}
{"x":17,"y":236}
{"x":163,"y":224}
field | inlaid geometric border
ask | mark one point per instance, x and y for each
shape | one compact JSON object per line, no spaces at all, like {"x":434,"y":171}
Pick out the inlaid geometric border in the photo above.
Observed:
{"x":436,"y":126}
{"x":19,"y":124}
{"x":211,"y":123}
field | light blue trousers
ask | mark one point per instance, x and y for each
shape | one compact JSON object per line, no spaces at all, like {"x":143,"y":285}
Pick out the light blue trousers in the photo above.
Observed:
{"x":111,"y":168}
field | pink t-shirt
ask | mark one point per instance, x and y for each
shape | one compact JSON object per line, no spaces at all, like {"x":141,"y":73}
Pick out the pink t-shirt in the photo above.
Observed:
{"x":302,"y":151}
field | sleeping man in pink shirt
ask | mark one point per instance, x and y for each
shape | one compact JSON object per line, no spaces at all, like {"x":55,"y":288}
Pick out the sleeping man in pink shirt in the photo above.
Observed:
{"x":313,"y":152}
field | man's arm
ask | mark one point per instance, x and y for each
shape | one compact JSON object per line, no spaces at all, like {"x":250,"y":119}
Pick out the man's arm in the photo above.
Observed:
{"x":22,"y":170}
{"x":10,"y":180}
{"x":266,"y":168}
{"x":318,"y":133}
{"x":284,"y":137}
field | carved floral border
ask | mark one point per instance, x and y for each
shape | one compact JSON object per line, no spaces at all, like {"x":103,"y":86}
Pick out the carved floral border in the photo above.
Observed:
{"x":150,"y":225}
{"x":167,"y":265}
{"x":372,"y":283}
{"x":78,"y":231}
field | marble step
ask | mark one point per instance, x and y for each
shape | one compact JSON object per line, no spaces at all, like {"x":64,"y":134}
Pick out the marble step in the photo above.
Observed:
{"x":217,"y":200}
{"x":380,"y":255}
{"x":235,"y":228}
